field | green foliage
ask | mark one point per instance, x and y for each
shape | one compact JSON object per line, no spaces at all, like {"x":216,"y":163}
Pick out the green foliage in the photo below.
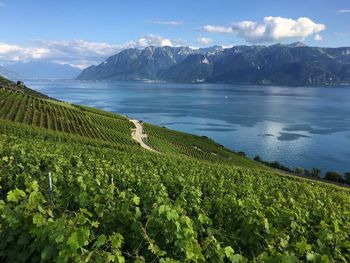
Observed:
{"x":333,"y":176}
{"x":275,"y":165}
{"x":158,"y":208}
{"x":64,"y":117}
{"x":315,"y":172}
{"x":115,"y":202}
{"x":19,"y":87}
{"x":175,"y":143}
{"x":347,"y":177}
{"x":299,"y":171}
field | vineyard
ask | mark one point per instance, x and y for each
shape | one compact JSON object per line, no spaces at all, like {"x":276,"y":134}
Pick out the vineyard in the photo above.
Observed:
{"x":74,"y":187}
{"x":63,"y":117}
{"x":202,"y":148}
{"x":20,"y":88}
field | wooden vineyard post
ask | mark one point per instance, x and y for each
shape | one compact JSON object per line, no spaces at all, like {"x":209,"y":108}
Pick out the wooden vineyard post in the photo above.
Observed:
{"x":50,"y":188}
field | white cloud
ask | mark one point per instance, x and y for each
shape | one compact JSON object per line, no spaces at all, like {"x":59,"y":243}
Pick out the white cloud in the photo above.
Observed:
{"x":78,"y":53}
{"x":318,"y":37}
{"x":151,"y":40}
{"x":2,"y":4}
{"x":169,"y":22}
{"x":6,"y":48}
{"x":204,"y":40}
{"x":344,"y":11}
{"x":15,"y":52}
{"x":218,"y":29}
{"x":272,"y":29}
{"x":228,"y":46}
{"x":72,"y":52}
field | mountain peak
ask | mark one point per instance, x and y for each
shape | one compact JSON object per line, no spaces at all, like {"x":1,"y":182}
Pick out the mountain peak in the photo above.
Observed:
{"x":291,"y":45}
{"x":298,"y":44}
{"x":211,"y":50}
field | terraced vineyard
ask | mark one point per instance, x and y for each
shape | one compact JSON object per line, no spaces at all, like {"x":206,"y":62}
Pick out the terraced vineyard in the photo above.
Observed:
{"x":64,"y":117}
{"x":112,"y":201}
{"x":174,"y":143}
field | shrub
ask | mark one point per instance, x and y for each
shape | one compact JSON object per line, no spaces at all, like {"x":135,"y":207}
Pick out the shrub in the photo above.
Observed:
{"x":315,"y":172}
{"x":258,"y":159}
{"x":307,"y":172}
{"x":299,"y":170}
{"x":347,"y":177}
{"x":333,"y":176}
{"x":242,"y":154}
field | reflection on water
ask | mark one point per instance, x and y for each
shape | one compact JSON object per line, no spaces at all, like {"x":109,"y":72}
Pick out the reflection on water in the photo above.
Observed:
{"x":297,"y":126}
{"x":284,"y":136}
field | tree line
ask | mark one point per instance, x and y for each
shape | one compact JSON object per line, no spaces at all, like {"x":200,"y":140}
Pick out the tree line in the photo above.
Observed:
{"x":314,"y":172}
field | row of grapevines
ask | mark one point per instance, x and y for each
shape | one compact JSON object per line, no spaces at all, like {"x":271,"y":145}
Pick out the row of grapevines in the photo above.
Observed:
{"x":63,"y":117}
{"x":117,"y":205}
{"x":169,"y":141}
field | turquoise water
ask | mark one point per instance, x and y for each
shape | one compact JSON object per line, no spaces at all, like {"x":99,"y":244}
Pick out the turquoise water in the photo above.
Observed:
{"x":297,"y":126}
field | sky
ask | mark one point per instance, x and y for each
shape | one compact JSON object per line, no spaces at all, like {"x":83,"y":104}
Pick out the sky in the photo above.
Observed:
{"x":81,"y":33}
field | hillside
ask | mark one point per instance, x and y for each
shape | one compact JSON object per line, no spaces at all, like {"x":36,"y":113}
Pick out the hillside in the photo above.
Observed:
{"x":20,"y":87}
{"x":112,"y":201}
{"x":294,"y":64}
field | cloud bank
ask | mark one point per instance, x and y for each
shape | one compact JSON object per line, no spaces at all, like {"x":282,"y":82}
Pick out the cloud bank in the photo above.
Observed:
{"x":217,"y":29}
{"x":271,"y":29}
{"x":77,"y":53}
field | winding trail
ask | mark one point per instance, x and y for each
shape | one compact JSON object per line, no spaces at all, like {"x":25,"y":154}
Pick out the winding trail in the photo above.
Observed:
{"x":138,"y":135}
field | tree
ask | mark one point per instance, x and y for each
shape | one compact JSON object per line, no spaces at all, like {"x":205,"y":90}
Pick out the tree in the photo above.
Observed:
{"x":20,"y":83}
{"x":347,"y":177}
{"x":258,"y":159}
{"x":307,"y":172}
{"x":315,"y":172}
{"x":299,"y":170}
{"x":333,"y":176}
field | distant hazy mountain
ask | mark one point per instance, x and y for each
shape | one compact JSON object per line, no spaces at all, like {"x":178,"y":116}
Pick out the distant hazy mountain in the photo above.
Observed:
{"x":43,"y":70}
{"x":6,"y":73}
{"x":294,"y":64}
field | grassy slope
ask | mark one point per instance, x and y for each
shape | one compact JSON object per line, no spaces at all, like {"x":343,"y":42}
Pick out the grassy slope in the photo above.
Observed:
{"x":190,"y":203}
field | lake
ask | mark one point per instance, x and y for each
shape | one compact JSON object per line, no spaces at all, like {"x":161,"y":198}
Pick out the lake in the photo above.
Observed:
{"x":297,"y":126}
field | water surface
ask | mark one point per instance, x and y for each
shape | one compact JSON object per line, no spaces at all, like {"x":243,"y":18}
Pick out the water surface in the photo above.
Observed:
{"x":297,"y":126}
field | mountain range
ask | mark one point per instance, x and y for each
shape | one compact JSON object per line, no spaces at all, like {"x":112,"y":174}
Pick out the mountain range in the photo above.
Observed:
{"x":38,"y":70}
{"x":280,"y":64}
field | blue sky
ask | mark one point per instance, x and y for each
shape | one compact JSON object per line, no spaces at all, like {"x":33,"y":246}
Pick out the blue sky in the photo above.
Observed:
{"x":61,"y":30}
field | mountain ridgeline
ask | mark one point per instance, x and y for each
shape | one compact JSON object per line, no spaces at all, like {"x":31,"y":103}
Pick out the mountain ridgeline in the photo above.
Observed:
{"x":39,"y":70}
{"x":293,"y":64}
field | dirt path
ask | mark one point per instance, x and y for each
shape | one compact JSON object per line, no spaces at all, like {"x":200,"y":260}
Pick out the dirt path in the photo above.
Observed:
{"x":138,"y":135}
